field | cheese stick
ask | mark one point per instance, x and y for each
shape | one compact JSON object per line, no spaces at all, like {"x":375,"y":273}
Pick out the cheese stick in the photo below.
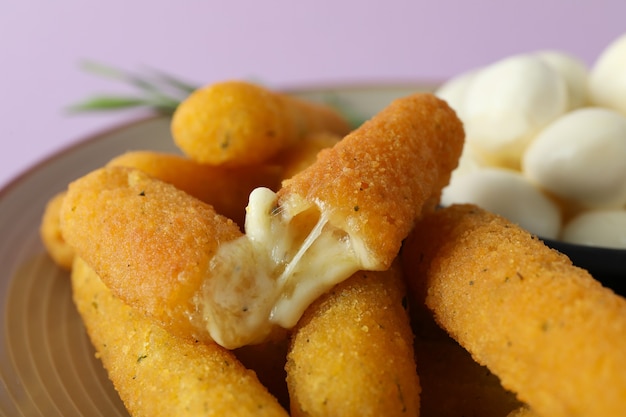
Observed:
{"x":351,"y":209}
{"x":150,"y":242}
{"x":157,"y":374}
{"x":552,"y":334}
{"x":351,"y":354}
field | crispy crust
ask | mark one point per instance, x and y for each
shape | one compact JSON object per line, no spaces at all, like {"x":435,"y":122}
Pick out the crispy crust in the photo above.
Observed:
{"x":377,"y":180}
{"x":352,"y":353}
{"x":149,"y":242}
{"x":157,"y":374}
{"x":551,"y":332}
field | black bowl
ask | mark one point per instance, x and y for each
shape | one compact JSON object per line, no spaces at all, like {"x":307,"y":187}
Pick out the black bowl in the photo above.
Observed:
{"x":607,"y":265}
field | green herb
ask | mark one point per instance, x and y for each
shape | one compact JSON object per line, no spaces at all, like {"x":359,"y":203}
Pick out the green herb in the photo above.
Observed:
{"x":156,"y":90}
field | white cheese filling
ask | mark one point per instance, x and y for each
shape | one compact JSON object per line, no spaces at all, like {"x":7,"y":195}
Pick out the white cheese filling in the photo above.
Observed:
{"x":288,"y":257}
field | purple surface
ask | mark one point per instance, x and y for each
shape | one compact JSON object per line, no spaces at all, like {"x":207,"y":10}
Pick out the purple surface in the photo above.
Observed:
{"x":284,"y":43}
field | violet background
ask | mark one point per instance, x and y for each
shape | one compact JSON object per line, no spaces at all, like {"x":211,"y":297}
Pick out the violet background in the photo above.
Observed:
{"x":287,"y":44}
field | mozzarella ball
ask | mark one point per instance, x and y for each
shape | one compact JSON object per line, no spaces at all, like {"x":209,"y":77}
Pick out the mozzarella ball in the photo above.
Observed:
{"x":581,"y":157}
{"x":507,"y":103}
{"x":606,"y":228}
{"x":509,"y":194}
{"x":607,"y":78}
{"x":575,"y":73}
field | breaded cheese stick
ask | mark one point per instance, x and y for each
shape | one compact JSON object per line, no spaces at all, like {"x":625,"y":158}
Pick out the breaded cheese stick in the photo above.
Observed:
{"x":240,"y":123}
{"x":351,"y":209}
{"x":227,"y":190}
{"x":157,"y":374}
{"x":375,"y":182}
{"x":150,"y":242}
{"x":351,"y":354}
{"x":547,"y":329}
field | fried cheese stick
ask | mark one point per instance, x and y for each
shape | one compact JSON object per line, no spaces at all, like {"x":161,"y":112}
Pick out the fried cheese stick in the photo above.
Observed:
{"x":241,"y":123}
{"x":351,"y":354}
{"x":352,"y":208}
{"x":552,"y":334}
{"x":157,"y":374}
{"x":150,"y":242}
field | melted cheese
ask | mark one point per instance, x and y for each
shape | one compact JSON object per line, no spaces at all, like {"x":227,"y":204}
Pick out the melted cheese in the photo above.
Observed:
{"x":289,"y":256}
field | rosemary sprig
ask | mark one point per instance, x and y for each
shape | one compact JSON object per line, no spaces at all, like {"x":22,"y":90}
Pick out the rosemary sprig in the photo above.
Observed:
{"x":156,"y":90}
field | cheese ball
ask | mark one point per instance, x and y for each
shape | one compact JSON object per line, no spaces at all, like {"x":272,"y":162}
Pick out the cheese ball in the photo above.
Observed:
{"x":606,"y":228}
{"x":580,"y":157}
{"x":508,"y":103}
{"x":574,"y":72}
{"x":509,"y":194}
{"x":607,"y":79}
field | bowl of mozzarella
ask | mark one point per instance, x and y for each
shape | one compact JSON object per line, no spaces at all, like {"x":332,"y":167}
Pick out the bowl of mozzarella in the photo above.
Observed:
{"x":546,"y":148}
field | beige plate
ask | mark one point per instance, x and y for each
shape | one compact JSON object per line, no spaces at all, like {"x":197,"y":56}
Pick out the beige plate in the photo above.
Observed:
{"x":47,"y":365}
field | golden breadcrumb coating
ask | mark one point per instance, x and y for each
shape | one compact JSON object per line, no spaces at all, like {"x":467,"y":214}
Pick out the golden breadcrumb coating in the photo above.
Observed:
{"x":352,"y":351}
{"x":552,"y":333}
{"x":157,"y":374}
{"x":376,"y":181}
{"x":149,"y":242}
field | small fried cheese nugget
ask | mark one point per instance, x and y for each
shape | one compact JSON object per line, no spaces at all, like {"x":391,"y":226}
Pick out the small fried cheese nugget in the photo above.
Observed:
{"x":51,"y":236}
{"x":552,"y":334}
{"x":351,"y":354}
{"x":157,"y":374}
{"x":240,"y":123}
{"x":226,"y":189}
{"x":150,"y":242}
